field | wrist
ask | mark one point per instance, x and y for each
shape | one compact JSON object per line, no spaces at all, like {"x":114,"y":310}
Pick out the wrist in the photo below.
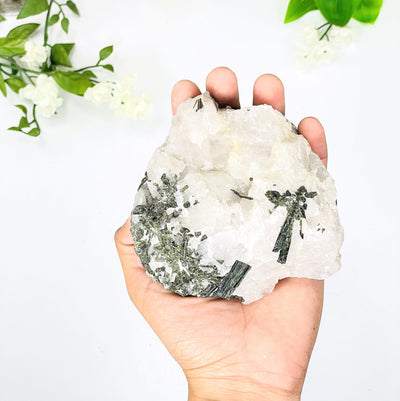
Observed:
{"x":232,"y":390}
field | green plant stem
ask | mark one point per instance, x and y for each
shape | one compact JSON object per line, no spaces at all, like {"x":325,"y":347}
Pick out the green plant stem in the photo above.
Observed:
{"x":87,"y":68}
{"x":326,"y":23}
{"x":28,"y":76}
{"x":326,"y":33}
{"x":34,"y":117}
{"x":5,"y":72}
{"x":60,"y":6}
{"x":46,"y":24}
{"x":15,"y":66}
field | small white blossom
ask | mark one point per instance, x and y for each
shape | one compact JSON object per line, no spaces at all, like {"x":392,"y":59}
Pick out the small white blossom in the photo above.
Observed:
{"x":122,"y":96}
{"x":325,"y":52}
{"x":310,"y":35}
{"x":141,"y":107}
{"x":35,"y":54}
{"x":100,"y":93}
{"x":44,"y":94}
{"x":341,"y":35}
{"x":321,"y":46}
{"x":125,"y":101}
{"x":304,"y":58}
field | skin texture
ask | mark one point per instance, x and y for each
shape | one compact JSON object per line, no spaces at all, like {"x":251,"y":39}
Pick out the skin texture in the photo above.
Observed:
{"x":227,"y":350}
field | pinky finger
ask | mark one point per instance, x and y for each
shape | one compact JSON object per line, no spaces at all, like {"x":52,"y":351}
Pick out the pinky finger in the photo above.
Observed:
{"x":314,"y":132}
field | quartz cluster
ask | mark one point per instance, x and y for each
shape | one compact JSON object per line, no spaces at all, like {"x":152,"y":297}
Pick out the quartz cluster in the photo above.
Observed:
{"x":232,"y":202}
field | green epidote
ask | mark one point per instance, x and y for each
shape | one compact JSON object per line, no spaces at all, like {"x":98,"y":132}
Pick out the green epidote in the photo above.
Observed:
{"x":159,"y":236}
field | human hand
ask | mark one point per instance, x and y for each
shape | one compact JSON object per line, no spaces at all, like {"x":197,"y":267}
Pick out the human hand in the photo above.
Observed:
{"x":227,"y":350}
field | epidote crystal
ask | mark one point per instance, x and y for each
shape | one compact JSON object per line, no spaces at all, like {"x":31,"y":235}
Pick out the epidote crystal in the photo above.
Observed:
{"x":234,"y":201}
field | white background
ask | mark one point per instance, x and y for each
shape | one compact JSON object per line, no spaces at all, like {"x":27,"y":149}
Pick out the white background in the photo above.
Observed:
{"x":67,"y":328}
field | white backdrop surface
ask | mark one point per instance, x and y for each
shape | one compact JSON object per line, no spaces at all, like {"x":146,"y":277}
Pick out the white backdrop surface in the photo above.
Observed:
{"x":67,"y":328}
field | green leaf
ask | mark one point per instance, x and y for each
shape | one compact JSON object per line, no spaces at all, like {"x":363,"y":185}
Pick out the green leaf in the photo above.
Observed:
{"x":22,"y":108}
{"x":33,"y":7}
{"x":10,"y":47}
{"x":23,"y":123}
{"x":298,"y":8}
{"x":3,"y":88}
{"x":104,"y":53}
{"x":65,"y":24}
{"x":60,"y":54}
{"x":2,"y":18}
{"x":54,"y":19}
{"x":72,"y":81}
{"x":368,"y":11}
{"x":337,"y":12}
{"x":108,"y":67}
{"x":72,"y":6}
{"x":33,"y":132}
{"x":14,"y":129}
{"x":22,"y":31}
{"x":15,"y":84}
{"x":89,"y":74}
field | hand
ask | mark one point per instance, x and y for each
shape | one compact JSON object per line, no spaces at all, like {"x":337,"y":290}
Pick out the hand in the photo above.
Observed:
{"x":230,"y":351}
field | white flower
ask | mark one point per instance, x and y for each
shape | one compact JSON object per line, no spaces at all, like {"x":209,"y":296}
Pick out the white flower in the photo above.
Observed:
{"x":44,"y":94}
{"x":321,"y":46}
{"x":341,"y":36}
{"x":125,"y":101}
{"x":35,"y":54}
{"x":142,"y":106}
{"x":304,"y":58}
{"x":310,"y":35}
{"x":100,"y":93}
{"x":124,"y":93}
{"x":123,"y":97}
{"x":324,"y":52}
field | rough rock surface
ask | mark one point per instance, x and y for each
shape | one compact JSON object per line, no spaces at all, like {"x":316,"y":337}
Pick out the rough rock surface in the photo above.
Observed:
{"x":234,"y":201}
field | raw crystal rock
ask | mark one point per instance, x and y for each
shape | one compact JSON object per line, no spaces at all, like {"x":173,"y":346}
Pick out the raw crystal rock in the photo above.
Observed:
{"x":234,"y":201}
{"x":11,"y":6}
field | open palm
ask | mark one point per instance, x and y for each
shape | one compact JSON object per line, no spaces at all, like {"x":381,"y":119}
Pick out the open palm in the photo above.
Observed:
{"x":229,"y":350}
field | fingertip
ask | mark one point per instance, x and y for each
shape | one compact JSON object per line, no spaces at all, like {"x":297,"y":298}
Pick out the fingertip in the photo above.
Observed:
{"x":269,"y":89}
{"x":222,"y":84}
{"x":313,"y":131}
{"x":181,"y":91}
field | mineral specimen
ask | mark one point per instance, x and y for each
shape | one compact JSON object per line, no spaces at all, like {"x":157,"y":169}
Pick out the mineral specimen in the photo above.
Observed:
{"x":11,"y":6}
{"x":232,"y":202}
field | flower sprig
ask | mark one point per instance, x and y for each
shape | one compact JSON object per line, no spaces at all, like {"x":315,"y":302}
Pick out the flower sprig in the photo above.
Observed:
{"x":322,"y":43}
{"x":36,"y":71}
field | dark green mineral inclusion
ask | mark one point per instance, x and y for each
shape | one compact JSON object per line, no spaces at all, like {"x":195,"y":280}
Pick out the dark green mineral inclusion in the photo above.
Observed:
{"x":144,"y":180}
{"x":241,"y":196}
{"x":198,"y":104}
{"x":231,"y":281}
{"x":226,"y":285}
{"x":181,"y":270}
{"x":296,"y":205}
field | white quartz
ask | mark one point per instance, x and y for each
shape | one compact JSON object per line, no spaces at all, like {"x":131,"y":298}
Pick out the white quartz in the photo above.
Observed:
{"x":252,"y":150}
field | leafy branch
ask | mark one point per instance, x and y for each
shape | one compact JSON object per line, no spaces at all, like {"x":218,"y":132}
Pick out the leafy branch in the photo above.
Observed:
{"x":336,"y":12}
{"x":23,"y":62}
{"x":24,"y":123}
